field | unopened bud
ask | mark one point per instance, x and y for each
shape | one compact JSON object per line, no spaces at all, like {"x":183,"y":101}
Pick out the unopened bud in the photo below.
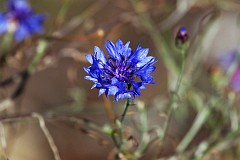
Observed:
{"x":182,"y":37}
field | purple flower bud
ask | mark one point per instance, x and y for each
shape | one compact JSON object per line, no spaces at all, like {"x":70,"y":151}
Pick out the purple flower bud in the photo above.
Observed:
{"x":181,"y":37}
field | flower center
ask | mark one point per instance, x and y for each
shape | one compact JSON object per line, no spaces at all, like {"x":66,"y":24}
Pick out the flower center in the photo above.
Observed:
{"x":120,"y":70}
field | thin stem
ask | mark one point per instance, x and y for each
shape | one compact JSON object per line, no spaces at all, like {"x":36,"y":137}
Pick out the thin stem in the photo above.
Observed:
{"x":145,"y":137}
{"x":62,"y":13}
{"x":199,"y":121}
{"x":125,"y":110}
{"x":182,"y":54}
{"x":166,"y":125}
{"x":40,"y":51}
{"x":120,"y":128}
{"x":113,"y":135}
{"x":79,"y":19}
{"x":174,"y":96}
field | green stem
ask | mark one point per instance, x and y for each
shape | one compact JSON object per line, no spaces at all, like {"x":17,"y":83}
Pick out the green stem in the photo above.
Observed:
{"x":199,"y":121}
{"x":113,"y":135}
{"x":174,"y":96}
{"x":125,"y":110}
{"x":40,"y":51}
{"x":145,"y":137}
{"x":120,"y":126}
{"x":62,"y":13}
{"x":182,"y":54}
{"x":163,"y":48}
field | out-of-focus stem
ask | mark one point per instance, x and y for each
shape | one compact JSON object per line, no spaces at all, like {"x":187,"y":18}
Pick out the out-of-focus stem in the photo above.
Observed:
{"x":174,"y":96}
{"x":40,"y":51}
{"x":158,"y":40}
{"x":197,"y":124}
{"x":63,"y":12}
{"x":120,"y":129}
{"x":47,"y":135}
{"x":79,"y":19}
{"x":145,"y":137}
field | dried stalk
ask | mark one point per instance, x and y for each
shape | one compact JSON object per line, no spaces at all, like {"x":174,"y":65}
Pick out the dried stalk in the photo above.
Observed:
{"x":47,"y":135}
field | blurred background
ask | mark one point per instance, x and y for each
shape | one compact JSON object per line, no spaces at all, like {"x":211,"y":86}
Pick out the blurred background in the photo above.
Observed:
{"x":58,"y":87}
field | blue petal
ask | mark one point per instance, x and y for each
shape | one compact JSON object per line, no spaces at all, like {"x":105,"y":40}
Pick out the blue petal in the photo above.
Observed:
{"x":3,"y":23}
{"x":145,"y":74}
{"x":91,"y":79}
{"x":112,"y":90}
{"x":35,"y":22}
{"x":86,"y":69}
{"x":127,"y":44}
{"x":99,"y":54}
{"x":123,"y":50}
{"x":89,"y":58}
{"x":137,"y":86}
{"x":21,"y":7}
{"x":142,"y":53}
{"x":139,"y":55}
{"x":119,"y":45}
{"x":94,"y":86}
{"x":122,"y":96}
{"x":95,"y":63}
{"x":128,"y":52}
{"x":101,"y":91}
{"x":146,"y":61}
{"x":110,"y":47}
{"x":21,"y":32}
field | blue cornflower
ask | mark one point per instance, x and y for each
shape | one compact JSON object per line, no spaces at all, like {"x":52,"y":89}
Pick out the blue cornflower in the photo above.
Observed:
{"x":21,"y":20}
{"x":123,"y":72}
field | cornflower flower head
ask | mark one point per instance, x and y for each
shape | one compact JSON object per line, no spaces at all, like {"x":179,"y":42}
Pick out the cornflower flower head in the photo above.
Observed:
{"x":21,"y":20}
{"x":123,"y":72}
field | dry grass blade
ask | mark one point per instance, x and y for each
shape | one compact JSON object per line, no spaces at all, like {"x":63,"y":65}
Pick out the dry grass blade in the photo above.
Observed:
{"x":47,"y":135}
